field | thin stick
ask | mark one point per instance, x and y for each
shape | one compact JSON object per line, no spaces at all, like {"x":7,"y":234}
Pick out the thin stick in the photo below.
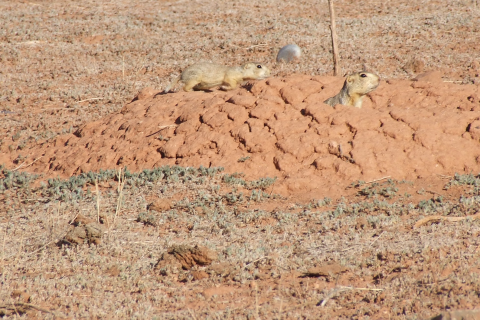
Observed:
{"x":358,"y":185}
{"x":251,"y":47}
{"x":361,"y":289}
{"x":19,"y":166}
{"x":123,"y":67}
{"x":17,"y":258}
{"x":333,"y":29}
{"x":273,"y":186}
{"x":376,"y":180}
{"x":441,"y":176}
{"x":90,"y":99}
{"x":46,"y":244}
{"x":121,"y":183}
{"x":453,"y":81}
{"x":3,"y":255}
{"x":192,"y":314}
{"x":256,"y":301}
{"x":15,"y":308}
{"x":21,"y":304}
{"x":98,"y":200}
{"x":280,"y":311}
{"x":255,"y":261}
{"x":434,"y":219}
{"x":69,"y":108}
{"x":332,"y":294}
{"x":375,"y":240}
{"x":28,"y":165}
{"x":160,"y":128}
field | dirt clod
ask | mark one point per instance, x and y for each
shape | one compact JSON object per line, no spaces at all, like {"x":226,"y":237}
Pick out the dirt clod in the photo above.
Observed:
{"x":85,"y":230}
{"x":113,"y":271}
{"x":160,"y":205}
{"x":187,"y":257}
{"x":199,"y":275}
{"x":328,"y":270}
{"x":20,"y":295}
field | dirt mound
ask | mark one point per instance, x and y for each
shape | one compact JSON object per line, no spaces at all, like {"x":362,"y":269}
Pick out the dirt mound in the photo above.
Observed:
{"x":281,"y":127}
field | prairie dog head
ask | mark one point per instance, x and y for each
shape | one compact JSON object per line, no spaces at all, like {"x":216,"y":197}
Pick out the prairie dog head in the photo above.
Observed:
{"x":255,"y":71}
{"x":362,"y":82}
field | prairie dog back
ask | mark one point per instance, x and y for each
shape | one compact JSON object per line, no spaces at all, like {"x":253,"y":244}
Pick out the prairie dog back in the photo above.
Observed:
{"x":204,"y":76}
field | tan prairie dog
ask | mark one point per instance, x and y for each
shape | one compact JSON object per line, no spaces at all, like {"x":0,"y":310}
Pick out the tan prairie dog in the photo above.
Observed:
{"x":355,"y":87}
{"x":204,"y":76}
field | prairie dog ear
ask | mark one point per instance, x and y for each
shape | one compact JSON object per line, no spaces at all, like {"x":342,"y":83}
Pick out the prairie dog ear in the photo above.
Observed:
{"x":350,"y":79}
{"x":247,"y":65}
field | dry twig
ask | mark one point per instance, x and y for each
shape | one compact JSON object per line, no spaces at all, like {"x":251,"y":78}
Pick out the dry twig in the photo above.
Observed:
{"x":435,"y":219}
{"x":336,"y":58}
{"x":98,"y":200}
{"x":27,"y":305}
{"x":90,"y":99}
{"x":376,"y":180}
{"x":121,"y":184}
{"x":28,"y":165}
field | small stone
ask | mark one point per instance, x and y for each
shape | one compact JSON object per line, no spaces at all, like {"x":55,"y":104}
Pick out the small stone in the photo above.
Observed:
{"x":289,"y":53}
{"x":199,"y":275}
{"x":160,"y":205}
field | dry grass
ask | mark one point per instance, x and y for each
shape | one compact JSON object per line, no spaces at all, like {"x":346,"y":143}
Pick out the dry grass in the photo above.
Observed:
{"x":389,"y":269}
{"x":65,"y":63}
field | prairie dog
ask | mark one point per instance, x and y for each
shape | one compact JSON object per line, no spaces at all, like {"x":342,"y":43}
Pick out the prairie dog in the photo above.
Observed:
{"x":355,"y":87}
{"x":289,"y":53}
{"x":203,"y":76}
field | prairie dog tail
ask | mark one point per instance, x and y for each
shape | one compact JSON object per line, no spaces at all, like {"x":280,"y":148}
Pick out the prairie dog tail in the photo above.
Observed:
{"x":173,"y":84}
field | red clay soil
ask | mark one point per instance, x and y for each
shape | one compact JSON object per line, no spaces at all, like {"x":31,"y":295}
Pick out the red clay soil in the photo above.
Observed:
{"x":405,"y":130}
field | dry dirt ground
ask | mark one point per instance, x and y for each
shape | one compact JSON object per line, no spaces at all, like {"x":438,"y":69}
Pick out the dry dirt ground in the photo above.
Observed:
{"x":119,"y":201}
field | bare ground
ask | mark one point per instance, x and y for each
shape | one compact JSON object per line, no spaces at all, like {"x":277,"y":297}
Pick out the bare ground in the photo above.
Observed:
{"x":337,"y":213}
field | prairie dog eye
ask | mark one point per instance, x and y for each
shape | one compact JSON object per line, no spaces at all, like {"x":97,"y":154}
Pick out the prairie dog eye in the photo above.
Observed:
{"x":363,"y":75}
{"x":259,"y":66}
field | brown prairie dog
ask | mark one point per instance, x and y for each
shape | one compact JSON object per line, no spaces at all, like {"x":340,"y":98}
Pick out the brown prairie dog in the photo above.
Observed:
{"x":203,"y":76}
{"x":355,"y":87}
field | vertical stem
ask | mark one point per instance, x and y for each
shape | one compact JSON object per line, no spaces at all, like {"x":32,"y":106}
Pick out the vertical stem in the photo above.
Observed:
{"x":336,"y":67}
{"x":98,"y":200}
{"x":123,"y":67}
{"x":3,"y":256}
{"x":121,"y":184}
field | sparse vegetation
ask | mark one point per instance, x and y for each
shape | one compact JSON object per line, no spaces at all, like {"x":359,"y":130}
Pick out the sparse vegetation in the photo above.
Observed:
{"x":67,"y":63}
{"x":386,"y":189}
{"x":253,"y":246}
{"x":465,"y":180}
